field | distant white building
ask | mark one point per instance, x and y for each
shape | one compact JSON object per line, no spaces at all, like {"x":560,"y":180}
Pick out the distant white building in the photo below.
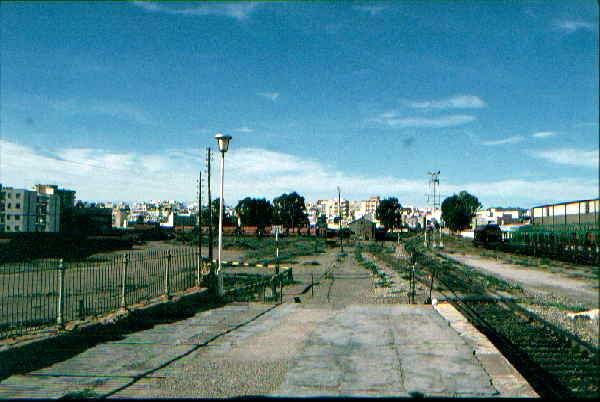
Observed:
{"x":18,"y":210}
{"x":499,"y":216}
{"x":24,"y":210}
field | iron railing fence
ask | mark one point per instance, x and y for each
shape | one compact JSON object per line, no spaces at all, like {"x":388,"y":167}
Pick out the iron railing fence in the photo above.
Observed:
{"x":42,"y":293}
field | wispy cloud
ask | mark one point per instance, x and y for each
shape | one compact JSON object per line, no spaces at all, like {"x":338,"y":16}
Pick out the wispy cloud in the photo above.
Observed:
{"x":543,"y":134}
{"x":104,"y":175}
{"x":570,"y":26}
{"x":392,"y":119}
{"x":244,"y":130}
{"x":116,"y":109}
{"x":453,"y":102}
{"x":569,"y":156}
{"x":509,"y":140}
{"x":586,"y":124}
{"x":269,"y":95}
{"x":239,"y":11}
{"x":371,"y":9}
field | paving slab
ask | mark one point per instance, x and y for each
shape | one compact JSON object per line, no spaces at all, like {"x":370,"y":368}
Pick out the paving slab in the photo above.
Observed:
{"x":111,"y":365}
{"x":391,"y":350}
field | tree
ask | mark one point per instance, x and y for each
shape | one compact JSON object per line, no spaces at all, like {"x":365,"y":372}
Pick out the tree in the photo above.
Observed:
{"x":289,"y":211}
{"x":458,"y":210}
{"x":255,"y":212}
{"x":215,"y":215}
{"x":389,"y":213}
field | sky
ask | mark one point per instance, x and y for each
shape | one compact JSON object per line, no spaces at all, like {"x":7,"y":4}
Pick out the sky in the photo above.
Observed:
{"x":119,"y":100}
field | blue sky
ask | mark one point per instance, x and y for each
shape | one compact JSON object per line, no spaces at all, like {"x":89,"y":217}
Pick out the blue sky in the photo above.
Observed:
{"x":118,"y":100}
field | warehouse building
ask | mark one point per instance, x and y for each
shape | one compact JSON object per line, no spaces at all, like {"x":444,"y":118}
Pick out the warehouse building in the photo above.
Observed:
{"x":570,"y":212}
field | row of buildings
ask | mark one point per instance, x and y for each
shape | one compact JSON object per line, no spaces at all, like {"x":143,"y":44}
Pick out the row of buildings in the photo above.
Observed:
{"x":47,"y":208}
{"x":347,"y":210}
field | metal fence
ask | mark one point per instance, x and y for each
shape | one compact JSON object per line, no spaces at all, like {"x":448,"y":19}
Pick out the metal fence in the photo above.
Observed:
{"x":40,"y":293}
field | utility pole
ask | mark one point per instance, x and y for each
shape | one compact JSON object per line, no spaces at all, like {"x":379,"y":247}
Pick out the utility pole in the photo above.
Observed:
{"x":210,"y":218}
{"x":340,"y":220}
{"x":199,"y":273}
{"x":434,"y":183}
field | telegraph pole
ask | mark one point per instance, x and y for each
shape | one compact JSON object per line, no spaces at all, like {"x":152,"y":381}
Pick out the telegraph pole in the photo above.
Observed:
{"x":199,"y":273}
{"x":434,"y":183}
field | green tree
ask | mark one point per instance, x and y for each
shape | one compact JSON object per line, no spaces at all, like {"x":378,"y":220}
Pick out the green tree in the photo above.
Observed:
{"x":289,"y":211}
{"x":255,"y":212}
{"x":389,"y":213}
{"x":459,"y":210}
{"x":227,"y":219}
{"x":321,"y":224}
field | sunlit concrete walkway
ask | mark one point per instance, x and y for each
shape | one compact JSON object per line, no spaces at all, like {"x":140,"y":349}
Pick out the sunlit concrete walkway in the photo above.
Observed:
{"x":339,"y":341}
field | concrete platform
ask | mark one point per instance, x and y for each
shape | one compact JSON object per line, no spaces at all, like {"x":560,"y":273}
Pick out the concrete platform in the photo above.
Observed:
{"x":341,"y":341}
{"x":391,"y":350}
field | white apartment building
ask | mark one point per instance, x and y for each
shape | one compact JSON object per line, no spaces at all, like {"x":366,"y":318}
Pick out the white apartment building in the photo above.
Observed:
{"x":500,"y":216}
{"x":332,"y":209}
{"x":24,"y":210}
{"x":48,"y":213}
{"x":367,"y":208}
{"x":18,"y":210}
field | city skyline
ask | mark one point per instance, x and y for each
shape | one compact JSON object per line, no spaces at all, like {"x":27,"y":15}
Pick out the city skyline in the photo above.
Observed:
{"x":119,"y":100}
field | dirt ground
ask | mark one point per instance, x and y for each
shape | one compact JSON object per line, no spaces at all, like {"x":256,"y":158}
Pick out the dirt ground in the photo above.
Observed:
{"x":465,"y":247}
{"x":229,"y":254}
{"x":579,"y":290}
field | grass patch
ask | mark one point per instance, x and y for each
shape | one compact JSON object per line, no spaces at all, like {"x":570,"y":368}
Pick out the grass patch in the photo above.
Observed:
{"x":262,"y":251}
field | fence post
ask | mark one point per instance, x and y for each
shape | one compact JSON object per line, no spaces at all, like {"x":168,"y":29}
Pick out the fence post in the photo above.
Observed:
{"x":198,"y":270}
{"x":167,"y":269}
{"x":124,"y":282}
{"x":61,"y":292}
{"x":280,"y":290}
{"x":431,"y":286}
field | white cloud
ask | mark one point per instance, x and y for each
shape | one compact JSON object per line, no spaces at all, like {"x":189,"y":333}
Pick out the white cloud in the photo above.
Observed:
{"x":569,"y":156}
{"x":171,"y":174}
{"x":269,"y":95}
{"x":392,"y":119}
{"x":454,"y":102}
{"x":586,"y":124}
{"x":570,"y":26}
{"x":244,"y":130}
{"x":239,"y":11}
{"x":116,"y":109}
{"x":509,"y":140}
{"x":543,"y":134}
{"x":371,"y":9}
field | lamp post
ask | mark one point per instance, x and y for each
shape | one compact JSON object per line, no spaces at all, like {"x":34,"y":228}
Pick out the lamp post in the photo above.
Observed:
{"x":223,"y":142}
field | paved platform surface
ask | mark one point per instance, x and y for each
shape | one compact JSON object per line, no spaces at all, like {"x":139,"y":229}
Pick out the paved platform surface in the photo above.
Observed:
{"x":339,"y":341}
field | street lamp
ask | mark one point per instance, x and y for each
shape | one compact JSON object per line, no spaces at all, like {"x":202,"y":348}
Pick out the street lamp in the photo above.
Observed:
{"x":340,"y":220}
{"x":223,"y":142}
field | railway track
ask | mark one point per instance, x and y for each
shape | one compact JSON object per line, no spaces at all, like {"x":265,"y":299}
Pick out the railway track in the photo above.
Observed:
{"x":556,"y":363}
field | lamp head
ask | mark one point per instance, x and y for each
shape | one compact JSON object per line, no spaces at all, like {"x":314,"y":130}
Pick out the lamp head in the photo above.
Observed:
{"x":223,"y":142}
